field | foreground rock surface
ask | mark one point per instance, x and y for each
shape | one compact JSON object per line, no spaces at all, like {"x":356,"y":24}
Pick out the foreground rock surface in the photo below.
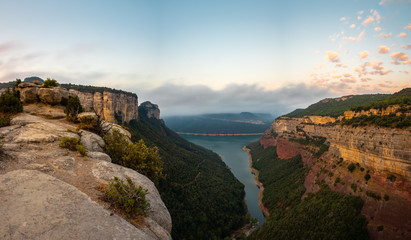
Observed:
{"x":38,"y":206}
{"x":48,"y":192}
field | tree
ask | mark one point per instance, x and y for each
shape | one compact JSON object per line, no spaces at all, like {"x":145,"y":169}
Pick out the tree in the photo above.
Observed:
{"x":50,"y":83}
{"x":73,"y":108}
{"x":9,"y":103}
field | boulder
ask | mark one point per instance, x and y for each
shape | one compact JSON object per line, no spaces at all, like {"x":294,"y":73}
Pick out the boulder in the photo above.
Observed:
{"x":109,"y":127}
{"x":99,"y":156}
{"x":158,"y":212}
{"x":35,"y":205}
{"x":149,"y":110}
{"x":91,"y":141}
{"x":29,"y":94}
{"x":54,"y":96}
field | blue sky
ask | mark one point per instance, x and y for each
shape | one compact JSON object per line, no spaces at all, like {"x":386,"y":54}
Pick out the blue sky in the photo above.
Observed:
{"x":212,"y":56}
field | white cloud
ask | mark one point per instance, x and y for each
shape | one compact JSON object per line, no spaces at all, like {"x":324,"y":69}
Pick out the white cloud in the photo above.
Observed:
{"x":332,"y":56}
{"x":368,"y":20}
{"x":404,"y":35}
{"x":408,"y":27}
{"x":385,"y":35}
{"x":352,"y":25}
{"x":377,"y":29}
{"x":406,"y":46}
{"x":343,"y":19}
{"x":383,"y":49}
{"x":363,"y":55}
{"x":397,"y":57}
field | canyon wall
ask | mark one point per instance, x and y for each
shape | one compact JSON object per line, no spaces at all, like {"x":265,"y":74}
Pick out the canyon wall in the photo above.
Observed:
{"x":386,"y":150}
{"x":113,"y":107}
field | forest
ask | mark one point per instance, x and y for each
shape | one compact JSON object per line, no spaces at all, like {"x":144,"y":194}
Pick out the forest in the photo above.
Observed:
{"x":323,"y":215}
{"x":204,"y":198}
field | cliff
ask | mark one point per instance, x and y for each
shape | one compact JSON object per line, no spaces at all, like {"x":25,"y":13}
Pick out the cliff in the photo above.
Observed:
{"x":386,"y":150}
{"x":49,"y":192}
{"x":113,"y":107}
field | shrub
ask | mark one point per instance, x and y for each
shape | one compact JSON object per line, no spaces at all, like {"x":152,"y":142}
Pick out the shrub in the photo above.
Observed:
{"x":373,"y":195}
{"x":73,"y":108}
{"x":10,"y":103}
{"x":72,"y":144}
{"x":50,"y":83}
{"x":354,"y":187}
{"x":337,"y":180}
{"x":380,"y":228}
{"x":4,"y":119}
{"x":136,"y":156}
{"x":367,"y":176}
{"x":351,"y":167}
{"x":128,"y":197}
{"x":89,"y":123}
{"x":362,"y":169}
{"x":386,"y":197}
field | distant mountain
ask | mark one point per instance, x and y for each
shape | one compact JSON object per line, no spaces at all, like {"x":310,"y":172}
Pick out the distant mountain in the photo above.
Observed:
{"x":222,"y":123}
{"x":31,"y":79}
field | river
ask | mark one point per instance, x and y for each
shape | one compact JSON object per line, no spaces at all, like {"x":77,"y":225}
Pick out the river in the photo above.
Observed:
{"x":230,"y":149}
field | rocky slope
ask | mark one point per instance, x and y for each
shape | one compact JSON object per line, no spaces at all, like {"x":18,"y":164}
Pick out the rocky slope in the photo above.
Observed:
{"x":47,"y":192}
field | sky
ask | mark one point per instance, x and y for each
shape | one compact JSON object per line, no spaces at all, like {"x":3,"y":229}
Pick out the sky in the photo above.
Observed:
{"x":193,"y":57}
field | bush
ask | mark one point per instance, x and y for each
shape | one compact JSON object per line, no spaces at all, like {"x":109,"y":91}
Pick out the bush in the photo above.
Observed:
{"x":380,"y":228}
{"x":373,"y":195}
{"x":50,"y":83}
{"x":4,"y":119}
{"x":89,"y":123}
{"x":136,"y":156}
{"x":72,"y":144}
{"x":73,"y":108}
{"x":128,"y":197}
{"x":10,"y":103}
{"x":351,"y":167}
{"x":386,"y":197}
{"x":367,"y":176}
{"x":354,"y":187}
{"x":362,"y":169}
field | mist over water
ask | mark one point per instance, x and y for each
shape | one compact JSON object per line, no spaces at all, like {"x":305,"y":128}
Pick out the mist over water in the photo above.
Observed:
{"x":230,"y":149}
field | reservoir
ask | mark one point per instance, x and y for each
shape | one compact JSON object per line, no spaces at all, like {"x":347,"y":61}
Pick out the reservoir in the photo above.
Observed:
{"x":230,"y":149}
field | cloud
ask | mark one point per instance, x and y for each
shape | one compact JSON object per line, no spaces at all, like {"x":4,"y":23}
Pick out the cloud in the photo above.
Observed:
{"x":332,"y":56}
{"x":383,"y":49}
{"x":407,"y":62}
{"x":406,"y":46}
{"x":352,"y":25}
{"x":408,"y":27}
{"x":197,"y":99}
{"x":355,"y":39}
{"x":7,"y":46}
{"x":404,"y":35}
{"x":397,"y":57}
{"x":363,"y":55}
{"x":406,"y":71}
{"x":385,"y":35}
{"x":343,"y":19}
{"x":347,"y":75}
{"x":348,"y":80}
{"x":368,"y":20}
{"x":377,"y":29}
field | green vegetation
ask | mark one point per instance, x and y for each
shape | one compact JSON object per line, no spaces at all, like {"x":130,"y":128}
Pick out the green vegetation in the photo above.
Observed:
{"x":386,"y":197}
{"x":336,"y":106}
{"x":94,"y":89}
{"x":4,"y":119}
{"x":351,"y":167}
{"x":391,"y":121}
{"x":50,"y":83}
{"x":136,"y":156}
{"x":73,"y":108}
{"x":204,"y":198}
{"x":380,"y":228}
{"x":224,"y":123}
{"x":316,"y":141}
{"x":367,"y":176}
{"x":401,"y":98}
{"x":10,"y":103}
{"x":324,"y":215}
{"x":373,"y":195}
{"x":128,"y":197}
{"x":72,"y":144}
{"x":353,"y":187}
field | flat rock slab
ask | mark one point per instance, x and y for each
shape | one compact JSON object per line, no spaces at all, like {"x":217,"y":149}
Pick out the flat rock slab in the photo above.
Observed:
{"x":34,"y":205}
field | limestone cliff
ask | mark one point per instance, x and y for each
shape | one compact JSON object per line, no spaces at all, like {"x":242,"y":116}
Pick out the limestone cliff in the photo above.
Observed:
{"x":386,"y":150}
{"x":113,"y":107}
{"x":149,"y":110}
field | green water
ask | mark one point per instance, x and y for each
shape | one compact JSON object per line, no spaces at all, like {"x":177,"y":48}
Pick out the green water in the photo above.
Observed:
{"x":230,"y":149}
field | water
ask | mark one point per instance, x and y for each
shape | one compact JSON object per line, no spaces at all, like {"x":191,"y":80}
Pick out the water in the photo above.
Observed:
{"x":230,"y":149}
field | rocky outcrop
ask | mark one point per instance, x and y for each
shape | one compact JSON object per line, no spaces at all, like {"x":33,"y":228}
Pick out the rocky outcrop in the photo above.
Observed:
{"x":386,"y":150}
{"x":34,"y":92}
{"x":149,"y":110}
{"x":48,"y":192}
{"x":113,"y":107}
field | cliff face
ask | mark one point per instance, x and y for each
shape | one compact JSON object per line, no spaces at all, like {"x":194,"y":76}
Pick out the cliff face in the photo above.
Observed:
{"x":386,"y":150}
{"x":113,"y":107}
